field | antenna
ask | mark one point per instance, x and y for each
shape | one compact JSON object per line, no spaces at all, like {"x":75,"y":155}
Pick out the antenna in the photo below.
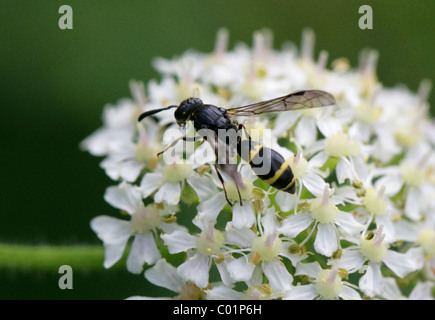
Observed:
{"x":151,"y":112}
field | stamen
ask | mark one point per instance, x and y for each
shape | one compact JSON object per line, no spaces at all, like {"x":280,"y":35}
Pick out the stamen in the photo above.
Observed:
{"x":368,"y":62}
{"x":321,"y":63}
{"x":270,"y":239}
{"x":143,"y":137}
{"x":307,"y":44}
{"x":325,"y":196}
{"x":262,"y":43}
{"x":137,"y":89}
{"x":297,"y":156}
{"x":423,"y":161}
{"x":381,"y":192}
{"x":221,"y":44}
{"x":331,"y":276}
{"x":424,"y":90}
{"x":379,"y":236}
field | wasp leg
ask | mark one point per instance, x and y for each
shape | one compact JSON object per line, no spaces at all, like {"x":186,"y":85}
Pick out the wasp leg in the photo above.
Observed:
{"x":173,"y":143}
{"x":221,"y":179}
{"x":241,"y":126}
{"x":225,"y":191}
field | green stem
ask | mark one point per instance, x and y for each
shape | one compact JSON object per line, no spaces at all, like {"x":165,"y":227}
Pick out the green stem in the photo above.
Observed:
{"x":44,"y":257}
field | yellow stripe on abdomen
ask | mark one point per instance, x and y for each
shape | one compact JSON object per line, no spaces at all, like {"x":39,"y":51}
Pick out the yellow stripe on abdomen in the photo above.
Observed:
{"x":278,"y":173}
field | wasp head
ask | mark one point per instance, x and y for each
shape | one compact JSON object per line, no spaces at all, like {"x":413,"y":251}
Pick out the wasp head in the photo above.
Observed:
{"x":185,"y":109}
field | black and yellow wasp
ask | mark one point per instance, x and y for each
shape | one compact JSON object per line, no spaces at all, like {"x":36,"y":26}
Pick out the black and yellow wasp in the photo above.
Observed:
{"x":215,"y":119}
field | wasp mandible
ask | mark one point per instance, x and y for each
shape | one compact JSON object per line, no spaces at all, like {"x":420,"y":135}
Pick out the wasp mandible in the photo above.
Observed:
{"x":212,"y":118}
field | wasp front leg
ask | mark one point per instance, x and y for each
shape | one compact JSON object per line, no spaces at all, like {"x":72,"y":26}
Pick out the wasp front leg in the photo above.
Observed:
{"x":173,"y":143}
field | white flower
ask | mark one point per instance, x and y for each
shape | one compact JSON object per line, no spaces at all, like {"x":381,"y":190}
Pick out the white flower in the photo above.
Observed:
{"x":115,"y":232}
{"x":326,"y":284}
{"x":127,"y":160}
{"x":374,"y":148}
{"x":126,"y":155}
{"x":414,"y":174}
{"x":374,"y":250}
{"x":118,"y":128}
{"x":168,"y":182}
{"x":165,"y":275}
{"x":421,"y":291}
{"x":326,"y":218}
{"x":264,"y":253}
{"x":206,"y":247}
{"x":308,"y":175}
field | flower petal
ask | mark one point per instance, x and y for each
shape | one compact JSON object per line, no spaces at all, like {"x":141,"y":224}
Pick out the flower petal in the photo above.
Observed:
{"x":195,"y":269}
{"x":391,"y":182}
{"x":391,"y":289}
{"x":124,"y":196}
{"x":222,"y":292}
{"x":285,"y":201}
{"x":347,"y":223}
{"x":306,"y":131}
{"x":413,"y":204}
{"x":179,"y":241}
{"x":348,"y":293}
{"x":243,"y":216}
{"x":310,"y":269}
{"x":314,"y":183}
{"x":114,"y":233}
{"x":295,"y":224}
{"x":150,"y":182}
{"x":164,"y":275}
{"x":372,"y":283}
{"x":351,"y":260}
{"x":279,"y":278}
{"x":344,"y":171}
{"x":209,"y":210}
{"x":326,"y":242}
{"x":240,"y":269}
{"x":143,"y":250}
{"x":168,"y":192}
{"x":399,"y":263}
{"x":240,"y":237}
{"x":203,"y":186}
{"x":305,"y":292}
{"x":130,"y":170}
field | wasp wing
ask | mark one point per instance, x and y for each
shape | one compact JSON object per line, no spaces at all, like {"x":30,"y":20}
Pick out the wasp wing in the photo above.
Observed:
{"x":293,"y":101}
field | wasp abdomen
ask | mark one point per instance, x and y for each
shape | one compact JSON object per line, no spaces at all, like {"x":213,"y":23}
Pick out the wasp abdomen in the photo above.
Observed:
{"x":268,"y":165}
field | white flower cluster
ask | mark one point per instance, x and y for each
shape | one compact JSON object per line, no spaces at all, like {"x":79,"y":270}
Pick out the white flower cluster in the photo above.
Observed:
{"x":361,"y":223}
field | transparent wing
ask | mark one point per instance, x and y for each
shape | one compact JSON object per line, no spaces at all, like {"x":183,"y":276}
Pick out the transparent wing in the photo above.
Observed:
{"x":293,"y":101}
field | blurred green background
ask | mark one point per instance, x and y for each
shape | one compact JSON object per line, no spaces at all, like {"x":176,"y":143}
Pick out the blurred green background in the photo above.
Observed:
{"x":54,"y":84}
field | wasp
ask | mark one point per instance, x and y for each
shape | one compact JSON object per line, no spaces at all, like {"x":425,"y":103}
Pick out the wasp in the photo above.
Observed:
{"x":214,"y":119}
